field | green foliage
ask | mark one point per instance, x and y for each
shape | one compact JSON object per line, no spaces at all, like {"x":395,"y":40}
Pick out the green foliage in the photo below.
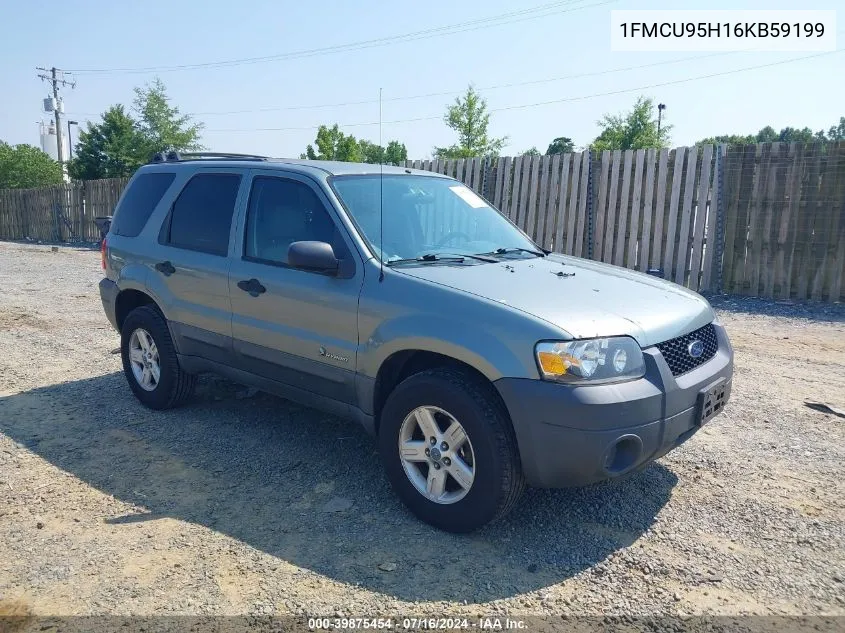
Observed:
{"x":730,"y":139}
{"x":120,"y":143}
{"x":561,"y":145}
{"x":332,"y":144}
{"x":794,"y":135}
{"x":113,"y":148}
{"x":837,"y":132}
{"x":160,"y":124}
{"x":768,"y":134}
{"x":27,"y":167}
{"x":468,"y":117}
{"x":396,"y":153}
{"x":531,"y":152}
{"x":370,"y":152}
{"x":636,"y":129}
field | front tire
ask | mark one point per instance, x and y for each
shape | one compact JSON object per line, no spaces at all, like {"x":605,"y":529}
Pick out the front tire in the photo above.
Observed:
{"x":449,"y":450}
{"x":150,"y":362}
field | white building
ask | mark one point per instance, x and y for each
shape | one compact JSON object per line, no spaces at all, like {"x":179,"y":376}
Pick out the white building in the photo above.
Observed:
{"x":47,"y":132}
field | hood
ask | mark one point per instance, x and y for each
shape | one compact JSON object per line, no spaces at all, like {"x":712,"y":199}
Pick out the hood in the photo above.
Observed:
{"x":598,"y":300}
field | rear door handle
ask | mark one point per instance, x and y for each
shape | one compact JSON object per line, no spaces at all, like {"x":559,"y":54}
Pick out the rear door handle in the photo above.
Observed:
{"x":252,"y":286}
{"x":165,"y":268}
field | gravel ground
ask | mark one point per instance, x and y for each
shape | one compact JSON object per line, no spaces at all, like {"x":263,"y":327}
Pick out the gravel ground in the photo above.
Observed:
{"x":242,"y":503}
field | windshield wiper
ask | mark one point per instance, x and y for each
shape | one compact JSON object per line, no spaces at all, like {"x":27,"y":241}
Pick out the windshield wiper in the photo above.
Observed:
{"x":429,"y":258}
{"x":515,"y":249}
{"x":438,"y":257}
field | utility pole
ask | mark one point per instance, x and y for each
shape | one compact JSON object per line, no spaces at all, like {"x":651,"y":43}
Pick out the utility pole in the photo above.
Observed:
{"x":55,"y":80}
{"x":660,"y":108}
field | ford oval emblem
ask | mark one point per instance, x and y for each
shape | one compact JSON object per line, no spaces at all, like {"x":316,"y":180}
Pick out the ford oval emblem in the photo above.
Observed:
{"x":695,"y":349}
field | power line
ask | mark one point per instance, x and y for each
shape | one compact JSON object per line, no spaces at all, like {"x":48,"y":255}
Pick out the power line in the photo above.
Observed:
{"x":448,"y":93}
{"x":549,"y":102}
{"x":531,"y":13}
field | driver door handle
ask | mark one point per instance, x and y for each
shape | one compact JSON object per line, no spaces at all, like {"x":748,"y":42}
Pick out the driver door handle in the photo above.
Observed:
{"x":252,"y":286}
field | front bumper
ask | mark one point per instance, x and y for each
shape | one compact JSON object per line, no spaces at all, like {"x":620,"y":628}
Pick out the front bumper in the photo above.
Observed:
{"x":108,"y":295}
{"x":576,"y":435}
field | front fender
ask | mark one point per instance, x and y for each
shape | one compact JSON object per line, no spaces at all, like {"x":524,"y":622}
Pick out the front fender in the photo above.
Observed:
{"x":474,"y":346}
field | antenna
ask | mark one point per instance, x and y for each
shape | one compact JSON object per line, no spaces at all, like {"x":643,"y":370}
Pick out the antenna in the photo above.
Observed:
{"x":380,"y":194}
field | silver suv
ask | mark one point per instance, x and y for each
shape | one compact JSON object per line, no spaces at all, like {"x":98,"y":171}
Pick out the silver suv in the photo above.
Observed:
{"x":403,"y":300}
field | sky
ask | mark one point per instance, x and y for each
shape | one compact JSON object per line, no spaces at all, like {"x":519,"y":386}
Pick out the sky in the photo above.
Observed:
{"x":559,"y":56}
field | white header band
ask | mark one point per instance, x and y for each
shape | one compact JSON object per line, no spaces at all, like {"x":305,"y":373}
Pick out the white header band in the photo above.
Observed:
{"x":733,"y":30}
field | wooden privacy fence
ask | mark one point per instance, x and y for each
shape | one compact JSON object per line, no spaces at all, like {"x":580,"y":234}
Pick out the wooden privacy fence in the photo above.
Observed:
{"x":784,"y":233}
{"x":61,"y":213}
{"x":763,"y":220}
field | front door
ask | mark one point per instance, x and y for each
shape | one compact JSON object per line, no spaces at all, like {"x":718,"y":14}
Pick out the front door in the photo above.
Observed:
{"x":294,"y":326}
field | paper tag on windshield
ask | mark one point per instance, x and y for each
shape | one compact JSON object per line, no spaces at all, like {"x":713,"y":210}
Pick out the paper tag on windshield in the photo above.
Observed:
{"x":469,"y":196}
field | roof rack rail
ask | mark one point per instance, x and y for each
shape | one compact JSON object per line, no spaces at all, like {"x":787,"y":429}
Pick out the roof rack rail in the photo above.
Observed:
{"x":172,"y":156}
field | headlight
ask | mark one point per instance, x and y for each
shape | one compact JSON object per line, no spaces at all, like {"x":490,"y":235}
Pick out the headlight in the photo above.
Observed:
{"x":590,"y":360}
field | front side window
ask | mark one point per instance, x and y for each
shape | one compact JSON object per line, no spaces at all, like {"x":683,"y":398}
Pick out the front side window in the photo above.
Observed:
{"x":201,"y":217}
{"x":424,"y":215}
{"x":282,"y":212}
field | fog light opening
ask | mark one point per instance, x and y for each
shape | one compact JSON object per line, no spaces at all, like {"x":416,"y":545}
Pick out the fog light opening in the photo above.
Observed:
{"x":623,"y":454}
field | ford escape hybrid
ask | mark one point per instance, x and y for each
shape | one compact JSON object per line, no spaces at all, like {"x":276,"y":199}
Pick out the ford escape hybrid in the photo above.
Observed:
{"x":403,"y":300}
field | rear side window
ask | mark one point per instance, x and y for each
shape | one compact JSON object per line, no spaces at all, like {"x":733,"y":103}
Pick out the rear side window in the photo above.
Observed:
{"x":142,"y":196}
{"x":201,"y":217}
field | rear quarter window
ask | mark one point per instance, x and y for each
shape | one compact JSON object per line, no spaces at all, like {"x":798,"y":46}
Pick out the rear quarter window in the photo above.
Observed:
{"x":139,"y":201}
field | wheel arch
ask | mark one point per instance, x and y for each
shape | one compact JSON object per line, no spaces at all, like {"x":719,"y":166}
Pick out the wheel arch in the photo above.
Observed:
{"x":127,"y":300}
{"x":403,"y":364}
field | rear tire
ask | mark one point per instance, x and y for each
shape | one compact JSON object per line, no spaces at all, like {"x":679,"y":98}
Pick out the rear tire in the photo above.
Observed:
{"x":146,"y":344}
{"x":489,"y":458}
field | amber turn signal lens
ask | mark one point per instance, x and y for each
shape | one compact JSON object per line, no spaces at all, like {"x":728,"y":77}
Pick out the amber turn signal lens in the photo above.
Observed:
{"x":552,"y":363}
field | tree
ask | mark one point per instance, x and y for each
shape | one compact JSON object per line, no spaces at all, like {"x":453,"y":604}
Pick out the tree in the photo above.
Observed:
{"x":531,"y":152}
{"x":26,"y":167}
{"x":561,"y":145}
{"x":468,"y":116}
{"x":767,"y":135}
{"x":121,"y":143}
{"x":114,"y":148}
{"x":837,"y":132}
{"x":160,"y":124}
{"x":729,"y":139}
{"x":396,"y":153}
{"x":794,"y":135}
{"x":332,"y":144}
{"x":786,"y":135}
{"x":635,"y":130}
{"x":370,"y":152}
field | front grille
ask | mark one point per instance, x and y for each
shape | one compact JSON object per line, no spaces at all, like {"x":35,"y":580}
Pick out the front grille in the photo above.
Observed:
{"x":676,"y":351}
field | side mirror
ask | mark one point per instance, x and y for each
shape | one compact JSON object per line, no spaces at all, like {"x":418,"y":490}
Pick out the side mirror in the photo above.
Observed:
{"x":315,"y":256}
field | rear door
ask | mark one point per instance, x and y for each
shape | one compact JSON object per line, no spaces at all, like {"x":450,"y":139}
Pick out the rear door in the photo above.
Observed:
{"x":302,"y":328}
{"x":191,"y":271}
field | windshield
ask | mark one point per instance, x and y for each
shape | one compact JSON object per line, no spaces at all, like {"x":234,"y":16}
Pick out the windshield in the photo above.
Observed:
{"x":424,"y":215}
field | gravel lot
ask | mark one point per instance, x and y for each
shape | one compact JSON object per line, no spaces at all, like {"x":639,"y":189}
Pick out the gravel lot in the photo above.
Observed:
{"x":242,"y":503}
